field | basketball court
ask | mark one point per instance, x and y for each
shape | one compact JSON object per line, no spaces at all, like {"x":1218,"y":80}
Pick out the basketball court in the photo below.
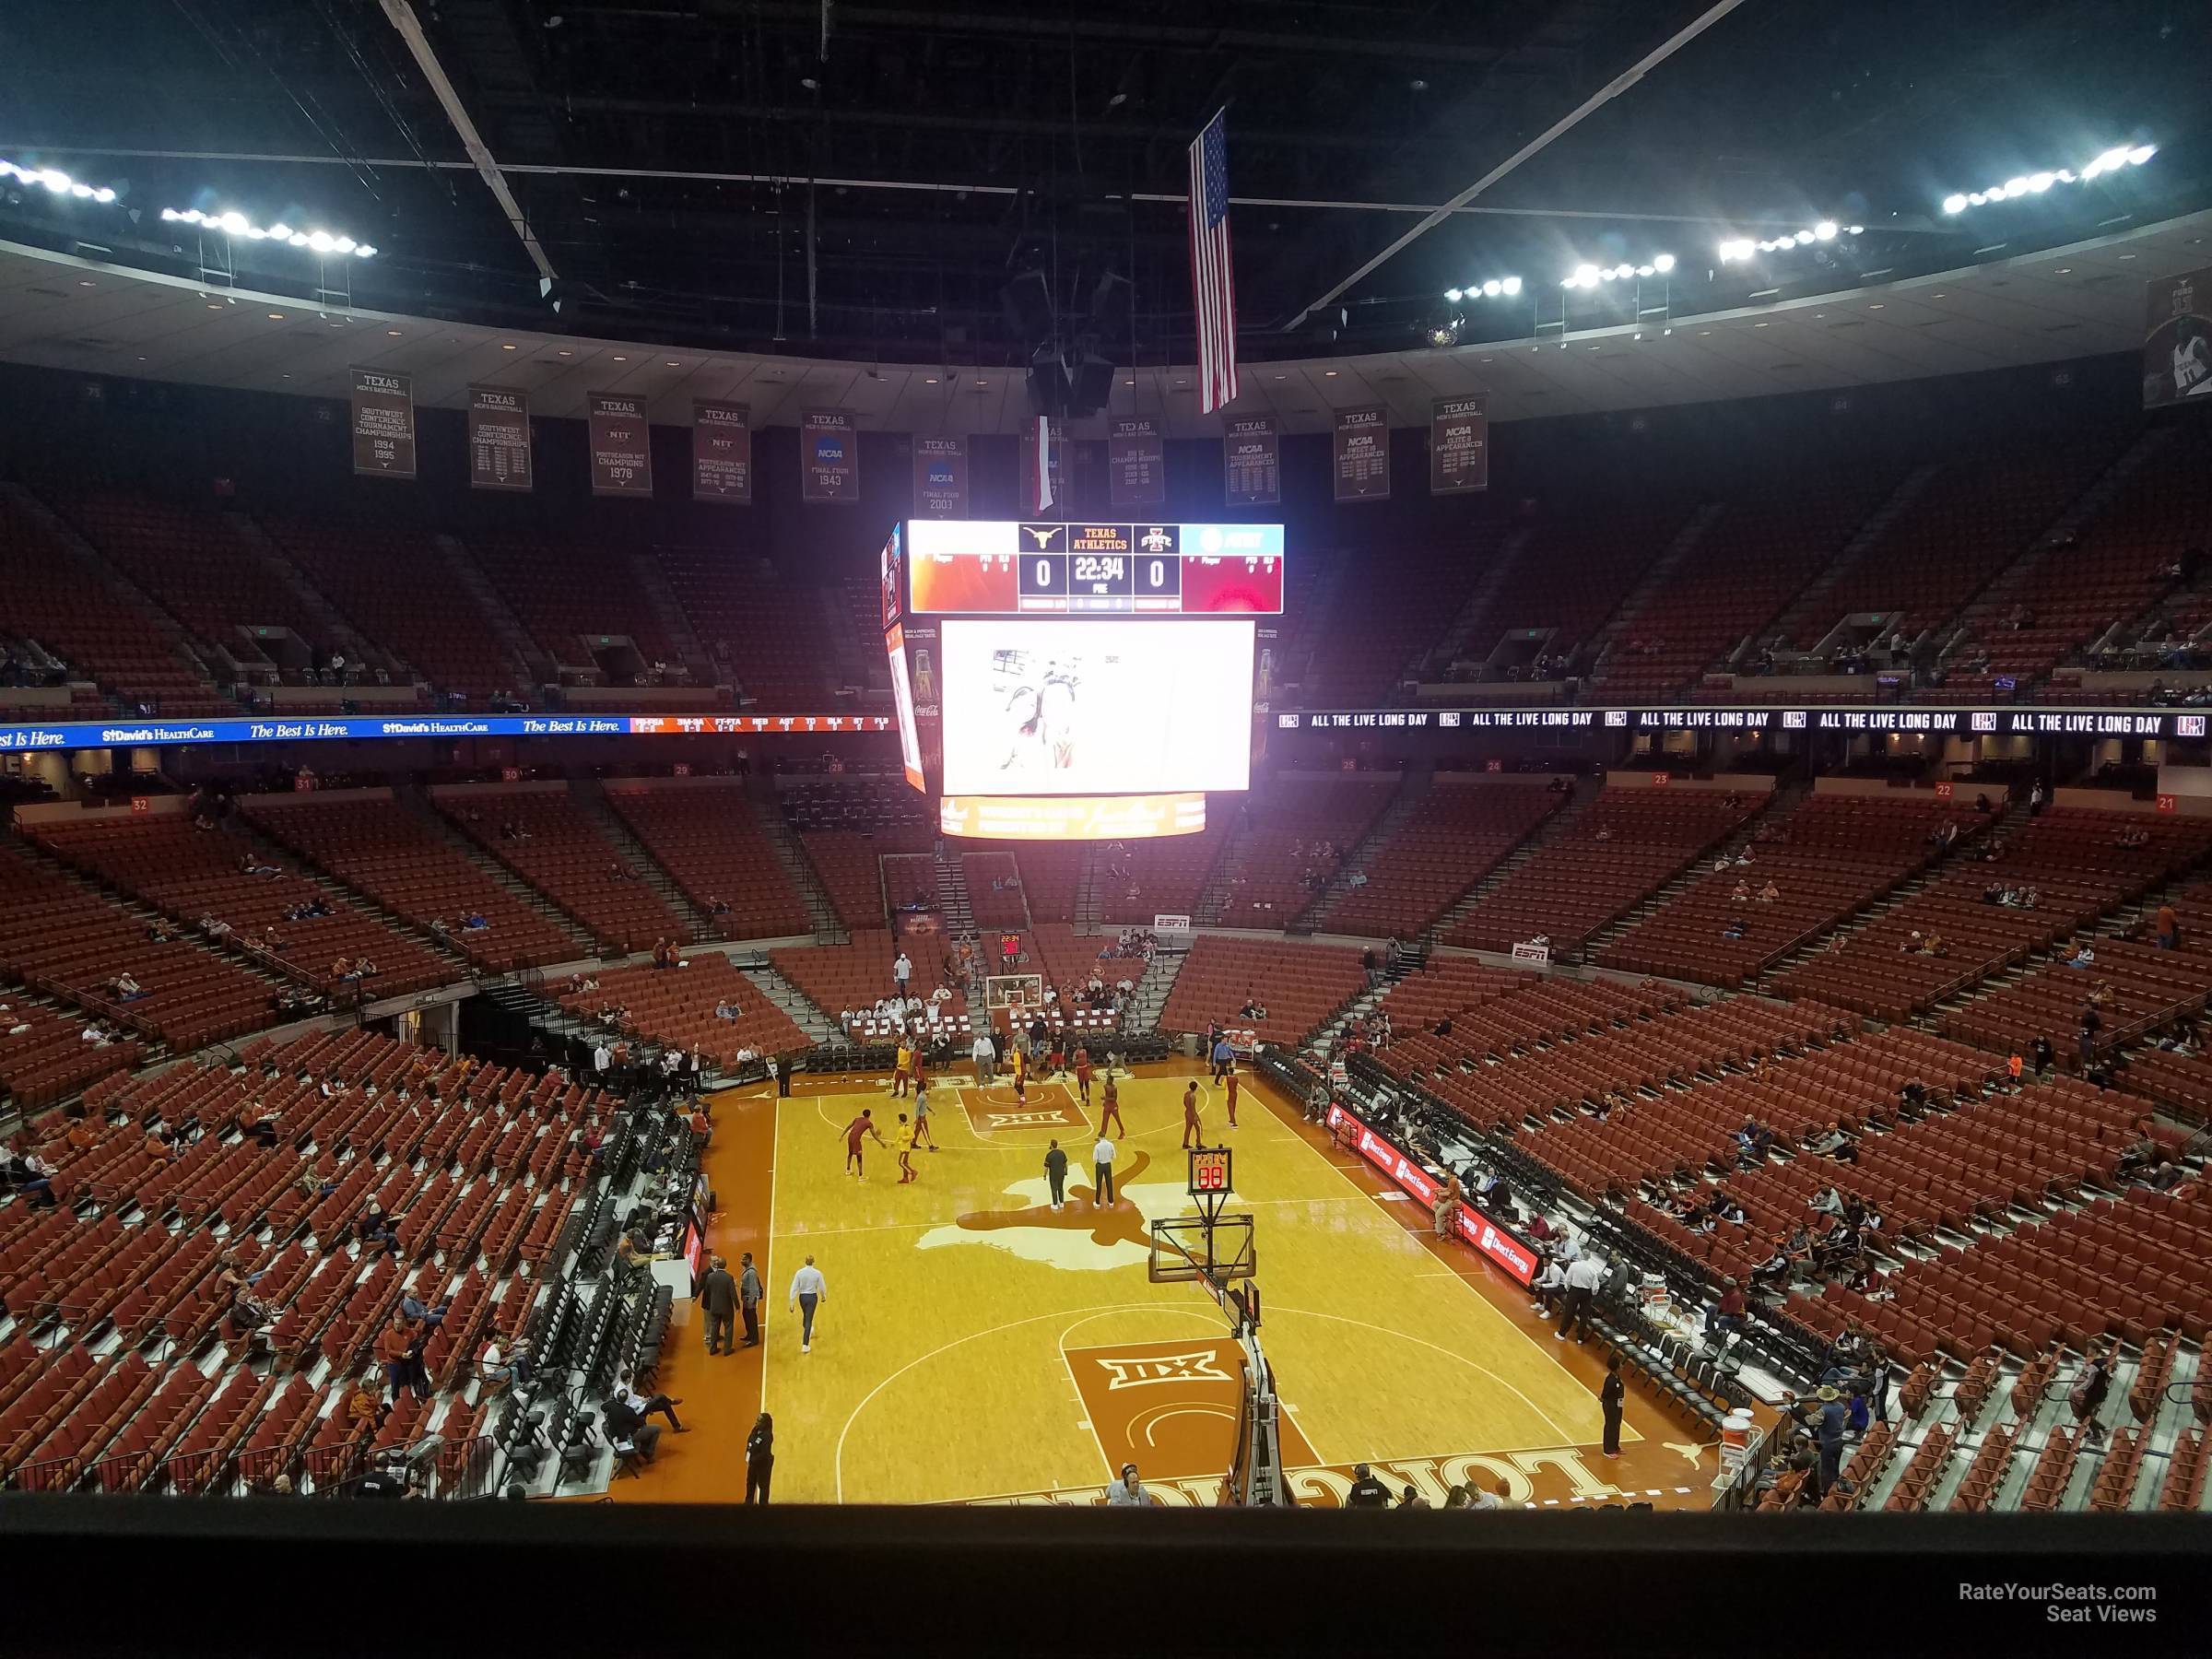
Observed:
{"x":976,"y":1345}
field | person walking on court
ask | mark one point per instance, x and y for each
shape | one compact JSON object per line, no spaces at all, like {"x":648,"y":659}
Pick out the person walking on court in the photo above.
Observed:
{"x":1582,"y":1280}
{"x":1055,"y":1175}
{"x":985,"y":1056}
{"x":1083,"y":1075}
{"x":1102,"y":1172}
{"x":1229,"y":1081}
{"x":1608,"y":1402}
{"x":906,"y":1150}
{"x":718,"y":1301}
{"x":1224,"y":1056}
{"x":759,"y":1458}
{"x":1193,"y":1130}
{"x":749,"y":1294}
{"x":901,"y":1064}
{"x":810,"y":1290}
{"x":864,"y":1124}
{"x":1110,"y":1108}
{"x":922,"y":1137}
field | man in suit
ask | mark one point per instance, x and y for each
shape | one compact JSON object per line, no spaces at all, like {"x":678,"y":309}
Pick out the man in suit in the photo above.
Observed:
{"x":718,"y":1300}
{"x":748,"y":1299}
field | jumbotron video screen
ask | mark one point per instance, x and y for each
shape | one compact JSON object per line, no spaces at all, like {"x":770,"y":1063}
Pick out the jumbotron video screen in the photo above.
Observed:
{"x":1120,"y":707}
{"x":1100,"y":673}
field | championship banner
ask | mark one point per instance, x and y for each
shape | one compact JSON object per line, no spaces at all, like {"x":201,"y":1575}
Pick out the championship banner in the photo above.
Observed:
{"x":384,"y":424}
{"x":1137,"y":464}
{"x":1459,"y":445}
{"x":499,"y":439}
{"x":1252,"y":461}
{"x":722,"y":454}
{"x":621,"y":446}
{"x":829,"y":458}
{"x":2177,"y":338}
{"x":1361,"y":447}
{"x":941,"y":478}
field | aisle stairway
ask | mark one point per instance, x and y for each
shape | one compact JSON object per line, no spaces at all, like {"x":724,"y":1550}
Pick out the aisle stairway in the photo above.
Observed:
{"x":1413,"y":788}
{"x":1585,"y":795}
{"x":590,"y":794}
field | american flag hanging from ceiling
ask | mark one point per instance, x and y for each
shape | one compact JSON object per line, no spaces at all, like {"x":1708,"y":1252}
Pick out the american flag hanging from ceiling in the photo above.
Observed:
{"x":1213,"y":281}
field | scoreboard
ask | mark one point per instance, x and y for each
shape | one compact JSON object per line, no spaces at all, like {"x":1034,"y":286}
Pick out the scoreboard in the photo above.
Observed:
{"x":1007,"y":568}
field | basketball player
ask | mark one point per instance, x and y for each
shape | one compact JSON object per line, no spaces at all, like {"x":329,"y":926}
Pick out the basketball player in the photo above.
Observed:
{"x":1021,"y":1073}
{"x":1193,"y":1131}
{"x":862,"y":1124}
{"x":922,"y":1137}
{"x":1230,"y":1078}
{"x":1083,"y":1076}
{"x":906,"y":1150}
{"x":903,"y":1064}
{"x":1110,"y":1108}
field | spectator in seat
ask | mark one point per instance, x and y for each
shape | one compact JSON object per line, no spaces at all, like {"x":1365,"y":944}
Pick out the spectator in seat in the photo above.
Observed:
{"x":2042,"y":1054}
{"x":2168,"y":935}
{"x":1728,"y":1313}
{"x":365,"y":1406}
{"x":628,"y":1431}
{"x":646,"y":1404}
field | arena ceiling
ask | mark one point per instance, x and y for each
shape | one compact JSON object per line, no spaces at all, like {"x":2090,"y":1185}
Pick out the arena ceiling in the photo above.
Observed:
{"x":2077,"y":300}
{"x":856,"y":182}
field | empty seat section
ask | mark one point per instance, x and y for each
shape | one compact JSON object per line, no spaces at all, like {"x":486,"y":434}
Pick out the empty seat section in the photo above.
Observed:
{"x":1292,"y":836}
{"x":382,"y":849}
{"x":1625,"y":846}
{"x":546,"y":837}
{"x":1300,"y":986}
{"x":709,"y":840}
{"x":1462,"y":827}
{"x":1811,"y":866}
{"x":192,"y":875}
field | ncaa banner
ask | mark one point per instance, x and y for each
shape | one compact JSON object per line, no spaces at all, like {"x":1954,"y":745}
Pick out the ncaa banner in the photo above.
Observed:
{"x":1252,"y":461}
{"x":1459,"y":445}
{"x":941,"y":478}
{"x":1360,"y":444}
{"x":2177,"y":338}
{"x":384,"y":424}
{"x":722,"y":454}
{"x":829,"y":458}
{"x":499,"y":439}
{"x":621,"y":446}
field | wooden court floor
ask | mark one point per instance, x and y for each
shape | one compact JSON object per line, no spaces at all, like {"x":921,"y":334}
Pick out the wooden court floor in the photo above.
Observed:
{"x":976,"y":1346}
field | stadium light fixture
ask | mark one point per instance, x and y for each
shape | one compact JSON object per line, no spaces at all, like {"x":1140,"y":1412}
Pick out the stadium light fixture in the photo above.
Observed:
{"x":1588,"y":275}
{"x":1737,"y":250}
{"x":2036,"y":184}
{"x":56,"y":181}
{"x":235,"y":224}
{"x":1493,"y":288}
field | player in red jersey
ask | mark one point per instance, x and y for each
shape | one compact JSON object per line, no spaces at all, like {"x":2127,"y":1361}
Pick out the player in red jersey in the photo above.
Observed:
{"x":1230,"y":1078}
{"x":862,"y":1124}
{"x":1193,"y":1130}
{"x":1110,"y":1108}
{"x":1083,"y":1076}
